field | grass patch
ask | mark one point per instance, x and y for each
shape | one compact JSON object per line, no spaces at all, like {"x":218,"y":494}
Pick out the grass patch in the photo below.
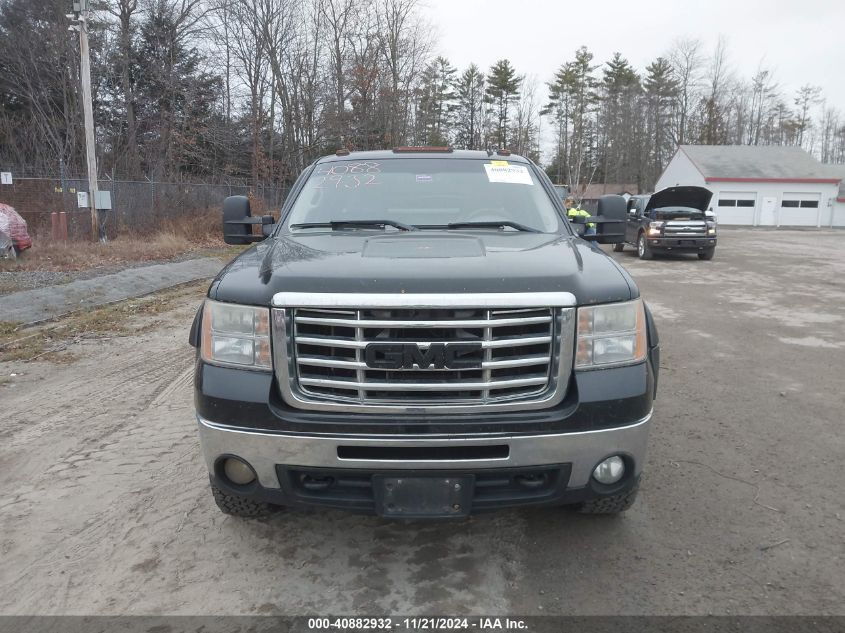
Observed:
{"x":199,"y":232}
{"x":77,"y":256}
{"x":51,"y":341}
{"x":8,"y":327}
{"x":119,"y":253}
{"x":229,"y":253}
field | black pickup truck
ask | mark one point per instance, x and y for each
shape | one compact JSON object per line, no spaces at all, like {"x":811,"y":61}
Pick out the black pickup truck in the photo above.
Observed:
{"x":422,"y":334}
{"x":673,"y":220}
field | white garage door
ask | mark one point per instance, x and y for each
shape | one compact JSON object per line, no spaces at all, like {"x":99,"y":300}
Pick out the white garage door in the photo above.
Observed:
{"x":735,"y":207}
{"x":799,"y":209}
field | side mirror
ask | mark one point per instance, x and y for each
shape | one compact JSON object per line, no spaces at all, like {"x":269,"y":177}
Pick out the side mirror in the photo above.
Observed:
{"x":610,"y":221}
{"x":238,"y":221}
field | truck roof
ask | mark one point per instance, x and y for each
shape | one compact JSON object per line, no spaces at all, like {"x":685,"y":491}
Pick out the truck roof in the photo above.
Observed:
{"x":385,"y":154}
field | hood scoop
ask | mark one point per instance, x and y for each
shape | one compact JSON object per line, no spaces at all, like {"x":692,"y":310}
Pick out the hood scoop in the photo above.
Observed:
{"x":423,"y":247}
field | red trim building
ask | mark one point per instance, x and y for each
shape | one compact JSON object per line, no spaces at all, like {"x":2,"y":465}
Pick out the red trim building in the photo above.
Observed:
{"x":762,"y":185}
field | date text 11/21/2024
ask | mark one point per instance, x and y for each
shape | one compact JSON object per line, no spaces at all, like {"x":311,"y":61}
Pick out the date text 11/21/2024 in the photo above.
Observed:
{"x":419,"y":623}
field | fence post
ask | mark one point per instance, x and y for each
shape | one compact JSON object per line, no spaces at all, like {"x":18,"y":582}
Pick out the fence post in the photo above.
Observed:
{"x":63,"y":226}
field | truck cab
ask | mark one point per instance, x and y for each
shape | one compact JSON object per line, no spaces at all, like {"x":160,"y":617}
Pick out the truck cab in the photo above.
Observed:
{"x":673,"y":220}
{"x":423,"y":335}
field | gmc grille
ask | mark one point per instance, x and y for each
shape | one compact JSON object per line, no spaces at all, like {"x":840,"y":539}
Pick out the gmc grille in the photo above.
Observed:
{"x":504,"y":355}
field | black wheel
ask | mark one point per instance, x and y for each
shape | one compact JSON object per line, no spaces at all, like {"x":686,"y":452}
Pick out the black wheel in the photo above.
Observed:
{"x":707,"y":255}
{"x":610,"y":505}
{"x":11,"y":253}
{"x":240,"y":506}
{"x":643,"y":249}
{"x":618,"y":248}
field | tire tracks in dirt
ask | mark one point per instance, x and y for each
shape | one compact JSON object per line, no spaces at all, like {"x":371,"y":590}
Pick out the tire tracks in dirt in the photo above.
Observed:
{"x":111,"y":512}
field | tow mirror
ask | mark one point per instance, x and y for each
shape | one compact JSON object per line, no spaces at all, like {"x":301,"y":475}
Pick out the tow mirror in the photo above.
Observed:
{"x":610,"y":221}
{"x":238,"y":221}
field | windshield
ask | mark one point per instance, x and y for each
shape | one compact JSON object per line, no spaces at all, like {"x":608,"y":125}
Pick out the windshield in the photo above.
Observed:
{"x":677,"y":213}
{"x":422,"y":192}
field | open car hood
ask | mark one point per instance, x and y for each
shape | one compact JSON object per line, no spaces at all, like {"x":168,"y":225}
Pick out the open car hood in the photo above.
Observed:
{"x":693,"y":197}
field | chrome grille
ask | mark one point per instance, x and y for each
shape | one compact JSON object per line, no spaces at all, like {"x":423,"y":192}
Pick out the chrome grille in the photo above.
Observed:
{"x":685,"y":229}
{"x":518,"y":355}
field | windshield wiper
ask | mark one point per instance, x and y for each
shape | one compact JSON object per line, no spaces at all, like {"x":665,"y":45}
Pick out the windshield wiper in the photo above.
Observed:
{"x":335,"y":225}
{"x":495,"y":224}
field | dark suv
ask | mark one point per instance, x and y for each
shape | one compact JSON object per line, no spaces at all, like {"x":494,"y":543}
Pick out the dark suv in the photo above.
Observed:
{"x":422,"y":334}
{"x":673,"y":220}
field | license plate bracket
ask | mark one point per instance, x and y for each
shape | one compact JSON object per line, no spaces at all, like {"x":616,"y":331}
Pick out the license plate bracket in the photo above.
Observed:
{"x":424,"y":496}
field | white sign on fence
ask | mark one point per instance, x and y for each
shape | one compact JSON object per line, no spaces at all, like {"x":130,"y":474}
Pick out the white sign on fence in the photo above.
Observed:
{"x":5,"y":178}
{"x":82,"y":199}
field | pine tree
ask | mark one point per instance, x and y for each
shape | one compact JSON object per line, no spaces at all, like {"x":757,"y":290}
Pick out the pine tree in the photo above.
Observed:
{"x":502,"y":89}
{"x":618,"y":129}
{"x":470,"y":98}
{"x":436,"y":107}
{"x":572,"y":97}
{"x":660,"y":88}
{"x":175,"y":96}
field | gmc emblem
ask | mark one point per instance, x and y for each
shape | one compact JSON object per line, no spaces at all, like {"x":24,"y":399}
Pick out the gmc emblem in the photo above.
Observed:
{"x":411,"y":355}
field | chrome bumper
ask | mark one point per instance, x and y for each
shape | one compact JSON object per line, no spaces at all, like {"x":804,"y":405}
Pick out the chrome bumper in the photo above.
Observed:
{"x":265,"y":450}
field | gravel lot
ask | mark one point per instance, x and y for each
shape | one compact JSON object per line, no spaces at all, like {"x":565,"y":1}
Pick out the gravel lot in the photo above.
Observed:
{"x":105,"y":507}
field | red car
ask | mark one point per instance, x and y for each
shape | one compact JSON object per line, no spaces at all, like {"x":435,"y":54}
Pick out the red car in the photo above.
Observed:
{"x":14,"y":226}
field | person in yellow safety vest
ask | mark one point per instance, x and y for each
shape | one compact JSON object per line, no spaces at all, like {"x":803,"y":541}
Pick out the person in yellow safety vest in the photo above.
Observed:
{"x":572,"y":211}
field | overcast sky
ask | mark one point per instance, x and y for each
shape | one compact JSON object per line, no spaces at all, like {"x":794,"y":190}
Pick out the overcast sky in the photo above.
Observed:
{"x":801,"y":41}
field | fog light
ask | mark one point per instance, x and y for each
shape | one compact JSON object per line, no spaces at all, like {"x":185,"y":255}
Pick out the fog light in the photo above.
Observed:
{"x":238,"y":471}
{"x":610,"y":470}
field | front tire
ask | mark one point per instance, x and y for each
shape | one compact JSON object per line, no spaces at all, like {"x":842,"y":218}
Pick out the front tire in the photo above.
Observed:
{"x":643,"y":249}
{"x":610,"y":505}
{"x":707,"y":255}
{"x":236,"y":506}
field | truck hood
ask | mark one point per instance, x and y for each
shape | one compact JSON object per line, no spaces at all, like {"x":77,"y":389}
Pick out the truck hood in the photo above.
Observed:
{"x":422,"y":262}
{"x":693,"y":197}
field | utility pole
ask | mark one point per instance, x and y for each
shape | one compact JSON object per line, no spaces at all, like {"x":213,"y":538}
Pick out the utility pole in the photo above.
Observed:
{"x":80,"y":16}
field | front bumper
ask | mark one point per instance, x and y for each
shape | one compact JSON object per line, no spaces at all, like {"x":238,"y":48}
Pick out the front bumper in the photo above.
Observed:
{"x":689,"y":244}
{"x":332,"y":471}
{"x":541,"y":457}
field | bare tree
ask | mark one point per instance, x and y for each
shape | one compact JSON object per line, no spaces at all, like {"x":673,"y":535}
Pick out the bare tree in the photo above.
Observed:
{"x":686,"y":61}
{"x":719,"y":77}
{"x":405,"y":43}
{"x":764,"y":93}
{"x":805,"y":99}
{"x":340,"y":18}
{"x":124,"y":11}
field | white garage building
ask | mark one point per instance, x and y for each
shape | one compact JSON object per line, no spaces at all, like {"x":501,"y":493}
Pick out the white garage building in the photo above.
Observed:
{"x":838,"y":171}
{"x":756,"y":185}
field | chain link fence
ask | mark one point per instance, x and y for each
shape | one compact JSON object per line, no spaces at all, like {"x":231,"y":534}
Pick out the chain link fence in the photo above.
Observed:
{"x":138,"y":206}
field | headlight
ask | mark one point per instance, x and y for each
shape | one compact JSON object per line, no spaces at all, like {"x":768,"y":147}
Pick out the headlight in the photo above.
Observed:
{"x":654,"y":227}
{"x":611,"y":334}
{"x":236,"y":335}
{"x":711,"y":228}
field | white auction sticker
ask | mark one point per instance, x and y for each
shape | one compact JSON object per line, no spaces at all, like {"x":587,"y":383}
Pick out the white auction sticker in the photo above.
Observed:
{"x":512,"y":174}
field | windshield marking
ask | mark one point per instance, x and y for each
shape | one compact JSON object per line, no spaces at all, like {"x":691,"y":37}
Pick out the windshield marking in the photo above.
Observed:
{"x":346,"y":181}
{"x":343,"y":168}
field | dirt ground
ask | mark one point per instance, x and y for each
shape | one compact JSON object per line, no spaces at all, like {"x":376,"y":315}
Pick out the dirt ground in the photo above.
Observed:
{"x":105,"y":507}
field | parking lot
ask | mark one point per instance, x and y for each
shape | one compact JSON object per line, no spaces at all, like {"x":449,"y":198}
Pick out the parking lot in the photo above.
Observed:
{"x":105,"y":507}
